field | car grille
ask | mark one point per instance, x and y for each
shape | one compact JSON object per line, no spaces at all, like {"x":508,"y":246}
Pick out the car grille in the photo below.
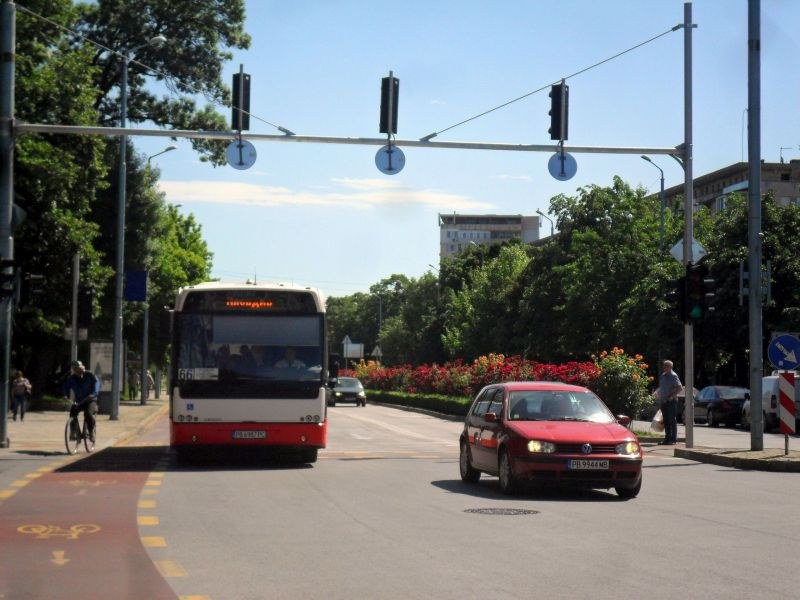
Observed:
{"x":596,"y":449}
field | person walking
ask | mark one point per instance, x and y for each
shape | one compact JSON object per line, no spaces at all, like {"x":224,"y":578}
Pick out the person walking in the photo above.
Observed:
{"x":20,"y":390}
{"x":669,"y":384}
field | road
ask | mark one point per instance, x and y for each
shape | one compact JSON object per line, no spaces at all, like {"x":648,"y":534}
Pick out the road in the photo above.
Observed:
{"x":384,"y":514}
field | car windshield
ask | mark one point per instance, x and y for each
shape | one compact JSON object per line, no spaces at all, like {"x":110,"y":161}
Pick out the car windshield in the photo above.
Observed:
{"x":730,"y":393}
{"x":557,"y":405}
{"x":348,"y":382}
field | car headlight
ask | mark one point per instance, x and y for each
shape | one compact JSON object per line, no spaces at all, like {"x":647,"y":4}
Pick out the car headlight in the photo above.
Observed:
{"x":537,"y":446}
{"x":362,"y":395}
{"x":628,"y":448}
{"x":337,"y":394}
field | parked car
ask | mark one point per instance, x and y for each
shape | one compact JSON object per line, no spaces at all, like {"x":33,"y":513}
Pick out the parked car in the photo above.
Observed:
{"x":717,"y":404}
{"x":349,"y":389}
{"x":549,"y":433}
{"x":769,"y":404}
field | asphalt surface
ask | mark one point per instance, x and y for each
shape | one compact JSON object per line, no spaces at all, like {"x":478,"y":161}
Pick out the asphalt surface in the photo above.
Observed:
{"x":43,"y":432}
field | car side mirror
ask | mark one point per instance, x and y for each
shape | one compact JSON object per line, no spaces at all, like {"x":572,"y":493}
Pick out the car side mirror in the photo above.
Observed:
{"x":623,"y":420}
{"x":490,"y":417}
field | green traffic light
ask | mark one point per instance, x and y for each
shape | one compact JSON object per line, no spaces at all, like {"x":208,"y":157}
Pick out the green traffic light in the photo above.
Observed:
{"x":696,"y":312}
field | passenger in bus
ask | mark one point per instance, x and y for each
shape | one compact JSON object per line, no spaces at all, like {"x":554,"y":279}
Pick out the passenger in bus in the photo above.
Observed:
{"x":289,"y":360}
{"x":224,"y":360}
{"x":248,"y":358}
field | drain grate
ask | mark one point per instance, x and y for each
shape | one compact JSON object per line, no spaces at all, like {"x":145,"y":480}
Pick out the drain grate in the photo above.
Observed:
{"x":501,"y":511}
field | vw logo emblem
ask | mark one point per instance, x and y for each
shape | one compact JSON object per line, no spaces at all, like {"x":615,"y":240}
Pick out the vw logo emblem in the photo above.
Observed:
{"x":586,"y":448}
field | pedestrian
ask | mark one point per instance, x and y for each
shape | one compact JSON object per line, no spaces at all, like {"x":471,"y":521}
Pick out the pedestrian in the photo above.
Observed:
{"x":669,"y":384}
{"x":133,"y":384}
{"x":20,"y":390}
{"x":85,"y":386}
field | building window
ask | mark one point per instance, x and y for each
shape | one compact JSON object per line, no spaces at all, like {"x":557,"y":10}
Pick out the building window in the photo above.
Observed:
{"x":721,"y":201}
{"x":786,"y":176}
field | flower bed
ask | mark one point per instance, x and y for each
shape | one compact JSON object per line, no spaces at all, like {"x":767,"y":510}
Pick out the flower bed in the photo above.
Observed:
{"x":619,"y":379}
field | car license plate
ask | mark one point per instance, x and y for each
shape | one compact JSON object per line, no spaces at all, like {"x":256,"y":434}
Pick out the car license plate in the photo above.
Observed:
{"x":587,"y":465}
{"x":249,"y":434}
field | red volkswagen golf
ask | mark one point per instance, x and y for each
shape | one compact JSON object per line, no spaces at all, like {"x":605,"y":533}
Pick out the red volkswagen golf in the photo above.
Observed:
{"x":550,"y":434}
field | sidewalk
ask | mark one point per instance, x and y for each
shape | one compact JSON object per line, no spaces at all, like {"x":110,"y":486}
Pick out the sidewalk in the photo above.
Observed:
{"x":42,"y":432}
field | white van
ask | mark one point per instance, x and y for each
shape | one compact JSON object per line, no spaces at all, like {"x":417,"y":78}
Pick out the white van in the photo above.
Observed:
{"x":769,"y":403}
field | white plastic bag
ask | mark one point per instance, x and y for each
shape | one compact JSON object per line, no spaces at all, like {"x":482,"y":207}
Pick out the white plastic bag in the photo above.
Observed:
{"x":657,"y":424}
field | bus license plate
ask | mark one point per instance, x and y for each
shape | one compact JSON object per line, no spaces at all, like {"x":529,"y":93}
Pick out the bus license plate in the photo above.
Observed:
{"x":249,"y":434}
{"x":587,"y":465}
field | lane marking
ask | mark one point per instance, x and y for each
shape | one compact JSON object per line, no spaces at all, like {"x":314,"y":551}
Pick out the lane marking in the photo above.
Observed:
{"x":153,"y":482}
{"x":59,"y":558}
{"x":7,"y":494}
{"x":149,"y":492}
{"x":20,"y":483}
{"x":145,"y":520}
{"x":33,"y":475}
{"x":169,"y":568}
{"x":146,"y":504}
{"x":154,"y":541}
{"x":188,"y":597}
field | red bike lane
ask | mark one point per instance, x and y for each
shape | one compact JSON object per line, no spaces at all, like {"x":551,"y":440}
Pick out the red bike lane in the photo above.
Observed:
{"x":73,"y":532}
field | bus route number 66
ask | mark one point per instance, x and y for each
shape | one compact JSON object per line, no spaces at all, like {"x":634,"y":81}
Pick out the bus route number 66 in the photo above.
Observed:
{"x":185,"y":374}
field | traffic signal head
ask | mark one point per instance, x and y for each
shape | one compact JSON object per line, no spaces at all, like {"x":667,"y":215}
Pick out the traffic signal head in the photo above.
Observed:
{"x":559,"y":111}
{"x":676,"y":297}
{"x":390,"y":97}
{"x":699,"y":292}
{"x":240,"y":114}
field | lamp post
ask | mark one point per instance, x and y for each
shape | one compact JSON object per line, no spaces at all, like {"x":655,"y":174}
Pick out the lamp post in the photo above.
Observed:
{"x":164,"y":151}
{"x":540,"y":213}
{"x":116,"y":355}
{"x":661,"y":197}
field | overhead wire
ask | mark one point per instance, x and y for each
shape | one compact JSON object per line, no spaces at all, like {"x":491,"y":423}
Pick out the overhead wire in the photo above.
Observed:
{"x":575,"y":74}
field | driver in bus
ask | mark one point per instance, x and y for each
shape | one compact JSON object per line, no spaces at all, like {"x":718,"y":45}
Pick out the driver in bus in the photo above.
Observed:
{"x":289,"y":360}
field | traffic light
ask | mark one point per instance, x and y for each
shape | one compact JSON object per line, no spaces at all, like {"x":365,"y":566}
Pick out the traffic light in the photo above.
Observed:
{"x":85,"y":296}
{"x":8,"y":278}
{"x":31,"y":286}
{"x":700,"y":292}
{"x":390,"y":96}
{"x":676,"y":297}
{"x":240,"y":115}
{"x":559,"y":111}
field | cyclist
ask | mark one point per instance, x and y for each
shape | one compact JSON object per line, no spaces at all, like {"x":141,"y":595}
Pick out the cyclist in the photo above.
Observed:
{"x":85,"y":385}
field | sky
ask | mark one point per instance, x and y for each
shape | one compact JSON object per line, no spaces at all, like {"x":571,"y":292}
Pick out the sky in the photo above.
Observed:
{"x":324,"y":215}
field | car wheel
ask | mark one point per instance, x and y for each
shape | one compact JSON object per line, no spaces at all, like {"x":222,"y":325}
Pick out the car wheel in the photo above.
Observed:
{"x":628,"y":493}
{"x":508,"y":482}
{"x":468,"y":473}
{"x":712,"y":422}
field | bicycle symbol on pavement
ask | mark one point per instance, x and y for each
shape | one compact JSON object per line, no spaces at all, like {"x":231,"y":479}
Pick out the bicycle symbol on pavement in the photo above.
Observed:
{"x":46,"y":532}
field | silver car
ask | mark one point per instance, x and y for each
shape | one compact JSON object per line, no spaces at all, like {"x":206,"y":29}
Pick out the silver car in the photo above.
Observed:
{"x":349,"y":389}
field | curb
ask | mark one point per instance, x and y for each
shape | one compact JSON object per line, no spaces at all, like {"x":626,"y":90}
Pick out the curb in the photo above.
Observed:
{"x":143,"y":425}
{"x":734,"y":459}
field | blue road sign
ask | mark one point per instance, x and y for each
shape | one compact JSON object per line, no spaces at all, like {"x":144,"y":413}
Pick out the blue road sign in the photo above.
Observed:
{"x":784,"y":352}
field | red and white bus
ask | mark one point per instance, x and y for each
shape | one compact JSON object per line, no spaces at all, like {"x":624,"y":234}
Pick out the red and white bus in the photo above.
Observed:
{"x":249,"y":368}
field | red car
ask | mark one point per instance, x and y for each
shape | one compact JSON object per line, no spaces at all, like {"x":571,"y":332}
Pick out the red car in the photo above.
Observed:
{"x":549,"y":433}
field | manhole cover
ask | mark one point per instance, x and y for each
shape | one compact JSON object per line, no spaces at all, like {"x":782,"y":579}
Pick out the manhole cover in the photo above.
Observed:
{"x":501,"y":511}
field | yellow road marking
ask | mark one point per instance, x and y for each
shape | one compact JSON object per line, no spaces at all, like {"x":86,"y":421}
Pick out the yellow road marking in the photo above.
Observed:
{"x":154,"y":541}
{"x":7,"y":493}
{"x":20,"y":483}
{"x":45,"y":469}
{"x":188,"y":597}
{"x":157,"y":475}
{"x":147,"y":492}
{"x":169,"y":568}
{"x":147,"y":504}
{"x":147,"y":520}
{"x":33,"y":475}
{"x":153,"y":482}
{"x":59,"y":558}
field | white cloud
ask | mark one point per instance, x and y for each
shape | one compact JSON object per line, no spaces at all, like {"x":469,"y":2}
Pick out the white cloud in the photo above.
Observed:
{"x":352,"y":193}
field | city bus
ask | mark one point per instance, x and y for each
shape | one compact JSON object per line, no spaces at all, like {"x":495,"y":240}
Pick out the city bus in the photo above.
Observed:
{"x":249,"y":368}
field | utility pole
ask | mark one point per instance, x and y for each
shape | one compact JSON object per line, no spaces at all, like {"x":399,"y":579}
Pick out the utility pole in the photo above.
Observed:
{"x":7,"y":45}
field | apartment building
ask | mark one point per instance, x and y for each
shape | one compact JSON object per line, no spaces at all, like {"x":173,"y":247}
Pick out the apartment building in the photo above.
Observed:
{"x":457,"y":232}
{"x":713,"y":189}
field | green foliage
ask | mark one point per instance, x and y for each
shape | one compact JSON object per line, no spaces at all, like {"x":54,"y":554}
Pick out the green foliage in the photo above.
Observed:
{"x":622,"y":383}
{"x":437,"y":403}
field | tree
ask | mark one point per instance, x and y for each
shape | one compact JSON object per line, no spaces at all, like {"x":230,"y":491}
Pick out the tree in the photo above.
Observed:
{"x":189,"y":63}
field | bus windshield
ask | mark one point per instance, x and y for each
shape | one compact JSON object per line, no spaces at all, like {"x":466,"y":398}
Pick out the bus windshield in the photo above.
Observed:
{"x":246,"y":355}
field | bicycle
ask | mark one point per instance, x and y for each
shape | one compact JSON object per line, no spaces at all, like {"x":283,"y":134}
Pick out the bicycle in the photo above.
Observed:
{"x":83,"y":434}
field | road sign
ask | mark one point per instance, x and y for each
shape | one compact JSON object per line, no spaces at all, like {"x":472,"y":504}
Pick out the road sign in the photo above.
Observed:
{"x":784,"y":352}
{"x":697,"y":249}
{"x":562,"y":166}
{"x":786,"y":406}
{"x":241,"y":154}
{"x":390,"y":160}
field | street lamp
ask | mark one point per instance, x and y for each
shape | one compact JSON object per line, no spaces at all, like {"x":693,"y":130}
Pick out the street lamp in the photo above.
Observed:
{"x":116,"y":355}
{"x":540,"y":213}
{"x":164,"y":151}
{"x":661,"y":197}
